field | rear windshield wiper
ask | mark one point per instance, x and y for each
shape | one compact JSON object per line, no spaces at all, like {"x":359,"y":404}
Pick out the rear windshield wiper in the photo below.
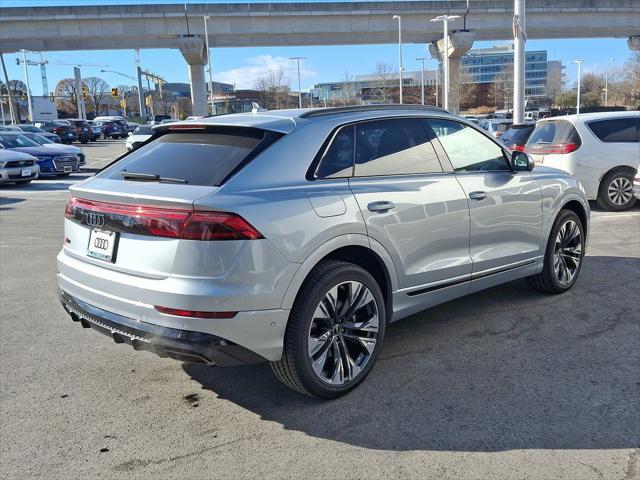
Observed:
{"x":150,"y":177}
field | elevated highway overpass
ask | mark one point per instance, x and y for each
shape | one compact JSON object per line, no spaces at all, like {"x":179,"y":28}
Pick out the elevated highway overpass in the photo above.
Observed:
{"x":298,"y":24}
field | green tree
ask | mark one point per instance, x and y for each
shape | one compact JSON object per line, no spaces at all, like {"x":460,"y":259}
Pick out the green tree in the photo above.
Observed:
{"x":590,"y":99}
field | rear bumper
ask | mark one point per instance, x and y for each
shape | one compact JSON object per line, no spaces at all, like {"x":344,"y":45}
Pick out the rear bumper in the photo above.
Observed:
{"x":183,"y":345}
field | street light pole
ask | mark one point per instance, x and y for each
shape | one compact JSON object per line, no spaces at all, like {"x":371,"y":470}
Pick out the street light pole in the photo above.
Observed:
{"x":297,"y":59}
{"x":519,"y":41}
{"x":422,"y":59}
{"x":445,"y":20}
{"x":26,"y":80}
{"x":400,"y":67}
{"x":579,"y":62}
{"x":606,"y":82}
{"x":206,"y":40}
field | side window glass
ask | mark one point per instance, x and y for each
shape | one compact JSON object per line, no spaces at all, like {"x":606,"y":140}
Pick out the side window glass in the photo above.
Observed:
{"x":468,"y":149}
{"x":337,"y":162}
{"x":394,"y":147}
{"x":616,"y":130}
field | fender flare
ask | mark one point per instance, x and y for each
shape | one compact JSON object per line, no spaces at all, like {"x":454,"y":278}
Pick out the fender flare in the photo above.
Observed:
{"x":347,"y":240}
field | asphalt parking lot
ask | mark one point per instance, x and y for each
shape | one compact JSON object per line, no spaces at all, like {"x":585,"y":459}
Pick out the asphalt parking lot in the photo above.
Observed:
{"x":507,"y":383}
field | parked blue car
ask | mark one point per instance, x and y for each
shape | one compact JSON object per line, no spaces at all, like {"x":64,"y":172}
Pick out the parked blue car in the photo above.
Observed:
{"x":52,"y":162}
{"x":57,"y":147}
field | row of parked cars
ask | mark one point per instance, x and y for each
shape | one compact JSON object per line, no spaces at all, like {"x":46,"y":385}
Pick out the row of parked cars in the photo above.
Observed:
{"x":602,"y":150}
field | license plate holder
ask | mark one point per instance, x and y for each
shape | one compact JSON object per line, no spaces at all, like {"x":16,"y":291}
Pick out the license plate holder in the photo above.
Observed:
{"x":103,"y":245}
{"x":26,"y":172}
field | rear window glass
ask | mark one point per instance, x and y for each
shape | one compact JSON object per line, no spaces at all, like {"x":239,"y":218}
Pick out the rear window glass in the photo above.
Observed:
{"x":202,"y":158}
{"x":553,"y":132}
{"x":616,"y":130}
{"x":517,"y":135}
{"x":501,"y":127}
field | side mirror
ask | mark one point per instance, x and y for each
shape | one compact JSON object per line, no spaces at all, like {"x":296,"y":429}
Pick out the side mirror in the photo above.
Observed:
{"x":522,"y":162}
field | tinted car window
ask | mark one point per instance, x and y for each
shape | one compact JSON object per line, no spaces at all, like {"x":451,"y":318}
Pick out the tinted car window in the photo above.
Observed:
{"x":552,"y":132}
{"x":16,"y":141}
{"x":517,"y":135}
{"x":337,"y":162}
{"x":468,"y":149}
{"x":616,"y":130}
{"x":199,"y":158}
{"x":143,"y":130}
{"x":394,"y":147}
{"x":30,"y":128}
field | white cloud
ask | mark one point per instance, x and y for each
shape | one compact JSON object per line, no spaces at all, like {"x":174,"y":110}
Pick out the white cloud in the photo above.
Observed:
{"x":259,"y":66}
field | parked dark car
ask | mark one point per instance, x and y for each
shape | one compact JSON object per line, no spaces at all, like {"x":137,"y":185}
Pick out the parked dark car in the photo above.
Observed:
{"x":96,"y":131}
{"x":51,"y":161}
{"x":62,"y":128}
{"x":111,"y":129}
{"x":83,"y":129}
{"x":516,"y":137}
{"x":33,"y":129}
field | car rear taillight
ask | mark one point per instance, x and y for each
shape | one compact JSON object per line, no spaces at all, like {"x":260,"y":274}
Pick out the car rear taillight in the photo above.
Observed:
{"x":517,"y":147}
{"x":162,"y":222}
{"x":195,"y":313}
{"x":553,"y":148}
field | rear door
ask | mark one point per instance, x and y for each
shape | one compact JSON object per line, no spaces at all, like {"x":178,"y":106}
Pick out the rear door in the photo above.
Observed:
{"x":505,"y":206}
{"x":412,"y":206}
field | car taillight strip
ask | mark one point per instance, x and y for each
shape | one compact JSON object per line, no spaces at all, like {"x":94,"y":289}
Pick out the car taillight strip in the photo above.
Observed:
{"x":160,"y":221}
{"x":554,"y":148}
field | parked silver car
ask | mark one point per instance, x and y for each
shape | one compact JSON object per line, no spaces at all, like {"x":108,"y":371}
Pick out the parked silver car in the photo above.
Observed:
{"x":297,"y":236}
{"x":17,"y":167}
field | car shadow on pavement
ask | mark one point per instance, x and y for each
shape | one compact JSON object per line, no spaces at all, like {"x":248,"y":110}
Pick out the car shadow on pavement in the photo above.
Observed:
{"x":5,"y":201}
{"x":506,"y":368}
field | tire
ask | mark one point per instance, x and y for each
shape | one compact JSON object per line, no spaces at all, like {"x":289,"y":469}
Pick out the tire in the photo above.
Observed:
{"x":616,"y":191}
{"x":552,"y":280}
{"x":332,"y":334}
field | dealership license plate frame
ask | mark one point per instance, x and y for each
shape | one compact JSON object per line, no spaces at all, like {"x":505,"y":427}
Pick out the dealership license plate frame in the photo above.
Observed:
{"x":26,"y":172}
{"x":95,"y":248}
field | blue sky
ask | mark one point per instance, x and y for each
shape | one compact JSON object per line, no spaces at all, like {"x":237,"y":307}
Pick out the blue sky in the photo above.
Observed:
{"x":243,"y":65}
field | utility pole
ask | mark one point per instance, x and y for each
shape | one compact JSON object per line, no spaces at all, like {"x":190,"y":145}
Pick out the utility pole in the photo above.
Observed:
{"x":579,"y":62}
{"x":297,"y":59}
{"x":422,"y":59}
{"x":82,"y":112}
{"x":606,"y":82}
{"x":26,"y":80}
{"x":519,"y":42}
{"x":445,"y":20}
{"x":400,"y":67}
{"x":9,"y":95}
{"x":206,"y":41}
{"x":143,"y":110}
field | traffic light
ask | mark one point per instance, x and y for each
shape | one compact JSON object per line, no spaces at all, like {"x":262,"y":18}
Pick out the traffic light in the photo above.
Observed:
{"x":52,"y":97}
{"x":84,"y":92}
{"x":24,"y":96}
{"x":114,"y":92}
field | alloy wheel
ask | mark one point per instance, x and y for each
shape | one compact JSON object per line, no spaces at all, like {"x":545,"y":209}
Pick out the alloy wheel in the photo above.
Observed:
{"x":620,"y":191}
{"x":343,"y":332}
{"x":567,"y":252}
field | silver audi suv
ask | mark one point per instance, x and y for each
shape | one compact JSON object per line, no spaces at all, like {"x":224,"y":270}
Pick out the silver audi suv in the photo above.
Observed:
{"x":296,"y":236}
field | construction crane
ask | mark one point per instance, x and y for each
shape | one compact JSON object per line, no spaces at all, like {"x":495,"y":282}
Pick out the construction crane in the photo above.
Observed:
{"x":43,"y":70}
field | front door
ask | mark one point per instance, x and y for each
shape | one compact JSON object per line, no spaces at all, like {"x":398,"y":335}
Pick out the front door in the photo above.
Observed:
{"x":505,"y":206}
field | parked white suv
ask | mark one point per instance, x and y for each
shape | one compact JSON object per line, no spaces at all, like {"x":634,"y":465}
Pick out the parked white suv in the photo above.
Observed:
{"x":601,"y":149}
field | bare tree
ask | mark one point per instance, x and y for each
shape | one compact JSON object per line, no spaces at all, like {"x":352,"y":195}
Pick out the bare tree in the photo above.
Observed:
{"x":503,"y":87}
{"x":348,"y":90}
{"x":385,"y":77}
{"x":183,"y":107}
{"x":66,"y":96}
{"x":163,"y":102}
{"x":273,"y":89}
{"x":98,"y":92}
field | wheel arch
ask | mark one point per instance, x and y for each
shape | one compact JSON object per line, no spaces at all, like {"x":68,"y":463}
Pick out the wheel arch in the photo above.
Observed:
{"x":617,"y":168}
{"x":356,"y":249}
{"x":577,"y":208}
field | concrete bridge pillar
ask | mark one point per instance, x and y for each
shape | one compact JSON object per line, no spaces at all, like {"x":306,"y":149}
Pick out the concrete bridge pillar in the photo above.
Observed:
{"x":194,"y":51}
{"x":634,"y":43}
{"x":459,"y":44}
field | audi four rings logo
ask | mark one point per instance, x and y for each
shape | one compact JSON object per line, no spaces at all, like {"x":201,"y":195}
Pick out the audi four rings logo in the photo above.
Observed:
{"x":101,"y":243}
{"x":94,"y":219}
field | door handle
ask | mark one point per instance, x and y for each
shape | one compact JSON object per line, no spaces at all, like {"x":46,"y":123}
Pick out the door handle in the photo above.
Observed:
{"x":380,"y":207}
{"x":478,"y":195}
